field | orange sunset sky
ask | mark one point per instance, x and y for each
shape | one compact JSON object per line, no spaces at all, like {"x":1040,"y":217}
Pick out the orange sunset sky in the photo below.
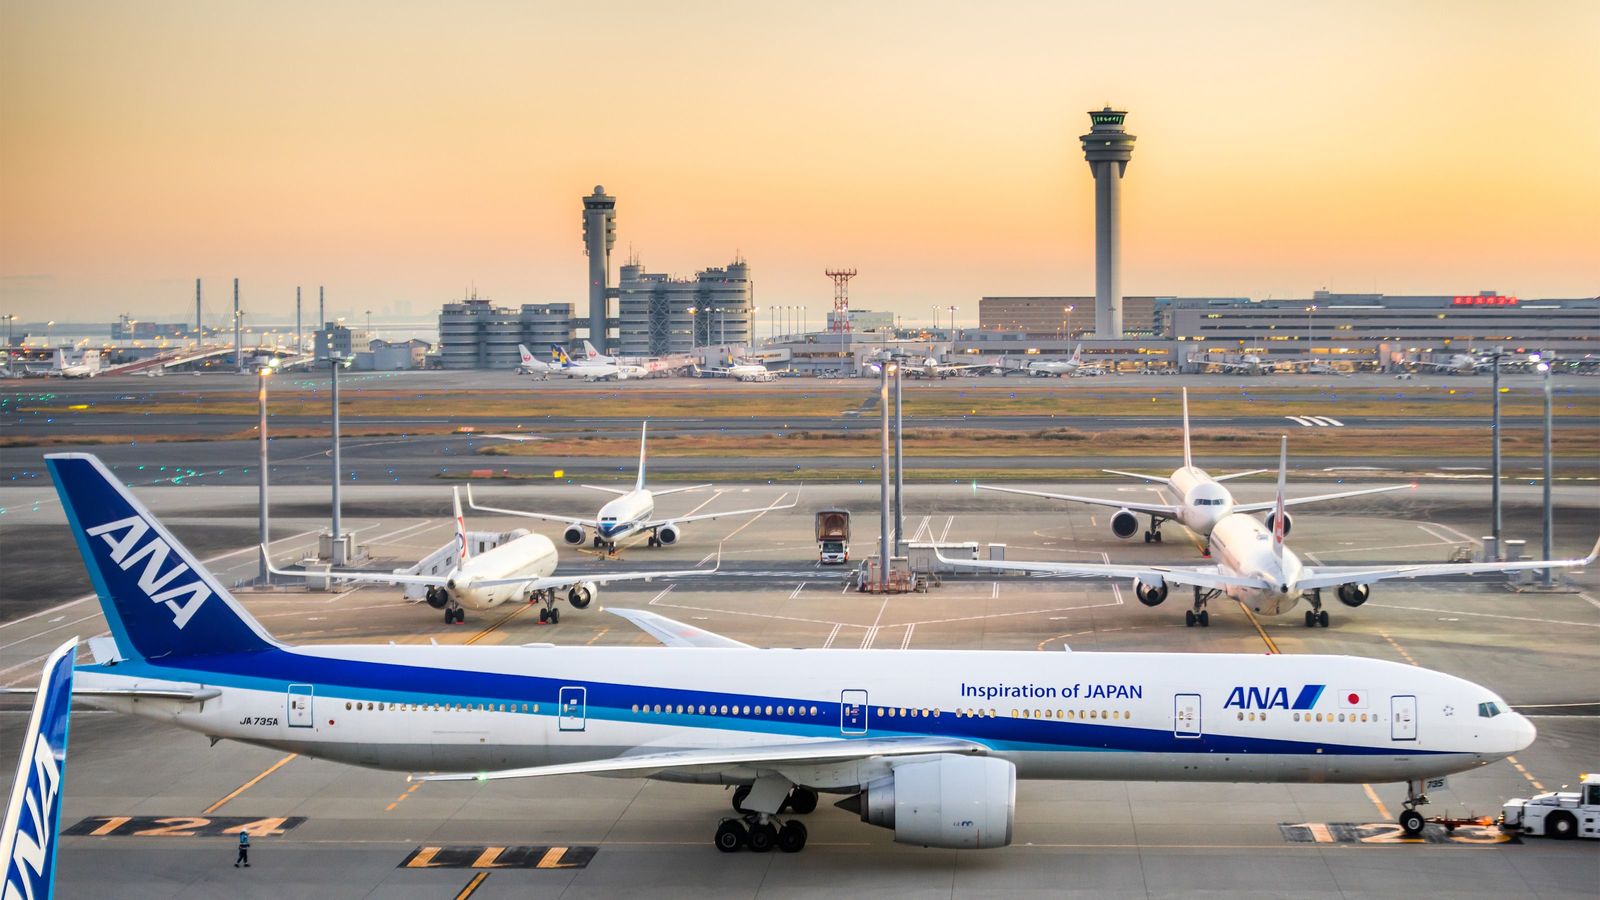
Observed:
{"x":398,"y":152}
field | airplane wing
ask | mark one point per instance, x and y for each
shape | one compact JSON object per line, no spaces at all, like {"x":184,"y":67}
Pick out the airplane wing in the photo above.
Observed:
{"x":1209,"y":577}
{"x":1230,"y":476}
{"x":1154,"y":479}
{"x":1329,"y":576}
{"x":578,"y":520}
{"x":1160,"y":509}
{"x":794,"y":753}
{"x":556,"y":582}
{"x":719,"y":515}
{"x":1231,"y":365}
{"x":364,"y":577}
{"x":1297,"y":501}
{"x":674,"y":633}
{"x":597,"y":487}
{"x":679,"y":490}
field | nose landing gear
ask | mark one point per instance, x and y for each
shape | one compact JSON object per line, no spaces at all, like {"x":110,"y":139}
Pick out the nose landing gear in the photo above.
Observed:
{"x":1412,"y":821}
{"x":1199,"y":615}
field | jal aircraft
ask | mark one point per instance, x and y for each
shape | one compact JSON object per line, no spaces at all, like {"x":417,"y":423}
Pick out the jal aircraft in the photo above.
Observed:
{"x":86,"y":367}
{"x":1255,"y":568}
{"x":928,"y":743}
{"x":522,"y":567}
{"x":1203,"y":500}
{"x":1056,"y":368}
{"x":32,"y":823}
{"x":596,"y":370}
{"x":633,"y":512}
{"x":532,"y":365}
{"x":742,"y":371}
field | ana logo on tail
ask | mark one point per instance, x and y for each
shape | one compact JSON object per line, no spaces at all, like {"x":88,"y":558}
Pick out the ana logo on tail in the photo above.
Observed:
{"x":122,"y":536}
{"x":28,"y":840}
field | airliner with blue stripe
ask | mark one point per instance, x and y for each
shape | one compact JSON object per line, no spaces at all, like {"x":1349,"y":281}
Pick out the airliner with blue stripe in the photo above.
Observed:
{"x":927,"y":743}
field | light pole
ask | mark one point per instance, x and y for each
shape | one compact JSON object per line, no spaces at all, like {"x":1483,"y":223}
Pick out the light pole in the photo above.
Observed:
{"x":1494,"y":459}
{"x":1310,"y":311}
{"x":899,"y":460}
{"x":935,"y":319}
{"x":335,"y":363}
{"x":952,"y":321}
{"x":883,"y":480}
{"x":803,"y":322}
{"x":1546,"y":576}
{"x":47,"y":327}
{"x":694,"y":333}
{"x":1067,"y":312}
{"x":262,"y":576}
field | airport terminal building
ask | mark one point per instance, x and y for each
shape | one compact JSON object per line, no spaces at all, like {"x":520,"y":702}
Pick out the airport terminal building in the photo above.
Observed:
{"x":659,"y":315}
{"x":475,"y":334}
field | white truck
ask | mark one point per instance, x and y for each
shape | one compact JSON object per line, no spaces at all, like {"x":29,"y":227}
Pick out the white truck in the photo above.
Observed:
{"x":1557,"y":814}
{"x":833,"y":537}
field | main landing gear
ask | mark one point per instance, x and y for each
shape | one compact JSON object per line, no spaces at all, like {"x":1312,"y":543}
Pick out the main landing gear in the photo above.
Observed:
{"x":1316,"y":615}
{"x":548,"y":614}
{"x":1199,"y":615}
{"x":454,"y":614}
{"x":759,"y":832}
{"x":1411,"y":821}
{"x":441,"y":598}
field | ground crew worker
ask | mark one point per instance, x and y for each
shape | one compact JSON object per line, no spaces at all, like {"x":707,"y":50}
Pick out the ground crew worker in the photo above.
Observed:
{"x":244,"y":850}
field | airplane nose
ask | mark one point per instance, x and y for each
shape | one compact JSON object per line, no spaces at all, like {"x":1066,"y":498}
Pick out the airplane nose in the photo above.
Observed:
{"x":1525,"y":732}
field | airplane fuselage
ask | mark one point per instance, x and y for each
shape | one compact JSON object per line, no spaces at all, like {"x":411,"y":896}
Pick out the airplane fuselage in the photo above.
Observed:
{"x":1203,"y":501}
{"x":1242,"y":546}
{"x":623,"y":517}
{"x":1118,"y":716}
{"x":533,"y":555}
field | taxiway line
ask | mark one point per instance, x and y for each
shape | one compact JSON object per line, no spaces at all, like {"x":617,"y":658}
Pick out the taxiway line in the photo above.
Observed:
{"x":249,"y":784}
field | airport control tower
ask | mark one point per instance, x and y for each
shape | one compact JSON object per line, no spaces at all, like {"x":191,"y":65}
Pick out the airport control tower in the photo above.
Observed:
{"x":1107,"y":147}
{"x":599,"y":236}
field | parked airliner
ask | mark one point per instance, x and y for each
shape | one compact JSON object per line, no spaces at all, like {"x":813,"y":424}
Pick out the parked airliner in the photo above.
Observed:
{"x":597,"y":369}
{"x":1072,"y":367}
{"x":32,"y":822}
{"x":532,"y":365}
{"x":1255,"y":568}
{"x":522,"y":567}
{"x":1203,"y":501}
{"x":928,"y":743}
{"x":633,"y":512}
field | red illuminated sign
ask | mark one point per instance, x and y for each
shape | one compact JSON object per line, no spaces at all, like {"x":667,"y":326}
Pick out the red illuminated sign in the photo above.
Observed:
{"x":1485,"y":301}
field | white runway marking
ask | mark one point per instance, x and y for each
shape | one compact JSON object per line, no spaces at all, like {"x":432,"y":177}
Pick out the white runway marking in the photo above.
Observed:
{"x":943,"y":535}
{"x":797,"y":589}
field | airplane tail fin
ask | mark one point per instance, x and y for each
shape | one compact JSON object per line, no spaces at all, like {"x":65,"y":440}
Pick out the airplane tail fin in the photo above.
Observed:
{"x":1188,"y":457}
{"x":1077,"y":354}
{"x":589,"y":352}
{"x":158,"y":599}
{"x":33,"y":817}
{"x":60,"y":359}
{"x":1278,"y":519}
{"x":461,"y":524}
{"x":559,"y":355}
{"x":527,"y":357}
{"x":643,"y":429}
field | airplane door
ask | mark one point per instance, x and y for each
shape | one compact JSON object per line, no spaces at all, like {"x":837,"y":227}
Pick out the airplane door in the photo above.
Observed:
{"x":1403,"y":718}
{"x":300,"y":696}
{"x":1186,"y":715}
{"x":574,"y":712}
{"x":853,"y":712}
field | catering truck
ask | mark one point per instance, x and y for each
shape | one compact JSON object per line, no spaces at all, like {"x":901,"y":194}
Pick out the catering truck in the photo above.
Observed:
{"x":833,"y":537}
{"x":1557,"y":814}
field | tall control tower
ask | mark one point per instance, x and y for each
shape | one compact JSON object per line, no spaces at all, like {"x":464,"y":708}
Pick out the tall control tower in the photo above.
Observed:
{"x":1107,"y":147}
{"x":599,"y":236}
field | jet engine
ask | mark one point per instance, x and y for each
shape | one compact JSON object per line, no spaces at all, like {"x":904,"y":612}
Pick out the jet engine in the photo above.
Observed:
{"x":956,"y":802}
{"x":581,"y":593}
{"x":1124,"y":524}
{"x":437,"y":597}
{"x":1150,"y":594}
{"x":574,"y":534}
{"x":1288,"y":522}
{"x":1353,"y":594}
{"x":668,"y":533}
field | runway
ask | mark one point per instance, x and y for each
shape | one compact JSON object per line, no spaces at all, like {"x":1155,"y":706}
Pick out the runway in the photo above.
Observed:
{"x":162,"y":799}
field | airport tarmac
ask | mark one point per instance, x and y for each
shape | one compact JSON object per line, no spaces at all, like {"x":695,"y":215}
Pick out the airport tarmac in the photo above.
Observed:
{"x":152,"y":807}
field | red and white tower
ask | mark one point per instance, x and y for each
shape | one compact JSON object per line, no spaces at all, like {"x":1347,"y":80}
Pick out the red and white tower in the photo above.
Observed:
{"x":839,"y":320}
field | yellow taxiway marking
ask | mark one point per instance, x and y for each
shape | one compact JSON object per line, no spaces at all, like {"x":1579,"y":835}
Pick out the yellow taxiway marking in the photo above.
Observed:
{"x":598,"y":635}
{"x":504,"y":619}
{"x":472,"y":886}
{"x":1398,"y":649}
{"x":1373,"y":796}
{"x":1271,"y":647}
{"x":248,"y":784}
{"x":1525,"y":773}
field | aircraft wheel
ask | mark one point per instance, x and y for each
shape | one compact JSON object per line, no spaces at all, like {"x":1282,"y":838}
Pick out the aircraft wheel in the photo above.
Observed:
{"x":449,"y":616}
{"x":544,"y":616}
{"x":555,"y":616}
{"x":1147,"y":538}
{"x":792,"y":837}
{"x":461,"y":615}
{"x":1322,"y":618}
{"x":762,"y":838}
{"x":730,"y":836}
{"x":1189,"y":618}
{"x":739,"y":794}
{"x":1411,"y":822}
{"x":1157,"y":536}
{"x":1311,"y":619}
{"x":1204,"y":618}
{"x":802,"y":801}
{"x":597,"y":542}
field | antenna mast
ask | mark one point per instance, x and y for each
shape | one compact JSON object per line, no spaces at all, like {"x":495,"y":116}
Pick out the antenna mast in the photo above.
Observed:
{"x":840,"y":321}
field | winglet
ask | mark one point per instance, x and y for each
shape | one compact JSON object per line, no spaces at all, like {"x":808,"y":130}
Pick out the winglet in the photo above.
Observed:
{"x":1188,"y":459}
{"x":1593,"y":554}
{"x":461,"y":522}
{"x":644,"y":429}
{"x":1277,"y":508}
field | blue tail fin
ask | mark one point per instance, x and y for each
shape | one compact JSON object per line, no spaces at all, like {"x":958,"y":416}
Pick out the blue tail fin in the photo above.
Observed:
{"x":28,"y":841}
{"x":158,"y":599}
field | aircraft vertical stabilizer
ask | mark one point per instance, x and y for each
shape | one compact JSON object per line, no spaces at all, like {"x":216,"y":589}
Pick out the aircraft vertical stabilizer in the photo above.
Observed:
{"x":33,"y":817}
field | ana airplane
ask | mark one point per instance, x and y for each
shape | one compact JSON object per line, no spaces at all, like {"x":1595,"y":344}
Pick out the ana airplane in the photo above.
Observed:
{"x":595,"y":370}
{"x":1203,"y":500}
{"x":532,"y":365}
{"x":522,"y":567}
{"x":1072,"y":367}
{"x":33,"y":817}
{"x":928,"y":743}
{"x":633,"y":512}
{"x":1255,"y":568}
{"x":86,"y":367}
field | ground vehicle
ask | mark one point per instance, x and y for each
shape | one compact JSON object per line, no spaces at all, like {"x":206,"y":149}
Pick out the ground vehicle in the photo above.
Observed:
{"x":833,"y":536}
{"x":1557,"y":814}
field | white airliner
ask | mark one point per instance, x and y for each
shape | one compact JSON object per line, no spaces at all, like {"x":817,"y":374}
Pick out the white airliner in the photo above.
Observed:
{"x":633,"y":512}
{"x":929,"y":743}
{"x":32,"y":821}
{"x":532,"y":365}
{"x":742,"y":371}
{"x":1203,"y":501}
{"x":522,"y":567}
{"x":1458,"y":363}
{"x":1072,"y":367}
{"x":86,"y":367}
{"x":593,"y":356}
{"x":1255,"y":568}
{"x":1248,"y":364}
{"x":596,"y":369}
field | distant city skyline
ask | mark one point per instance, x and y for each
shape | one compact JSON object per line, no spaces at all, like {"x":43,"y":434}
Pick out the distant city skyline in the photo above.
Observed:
{"x":407,"y":156}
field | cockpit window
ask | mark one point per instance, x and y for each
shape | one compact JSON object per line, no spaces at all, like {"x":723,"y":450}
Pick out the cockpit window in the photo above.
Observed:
{"x":1489,"y":710}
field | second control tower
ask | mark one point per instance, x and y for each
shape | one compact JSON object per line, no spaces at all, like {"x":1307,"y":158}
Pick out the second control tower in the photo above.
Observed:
{"x":599,"y":236}
{"x":1107,"y":147}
